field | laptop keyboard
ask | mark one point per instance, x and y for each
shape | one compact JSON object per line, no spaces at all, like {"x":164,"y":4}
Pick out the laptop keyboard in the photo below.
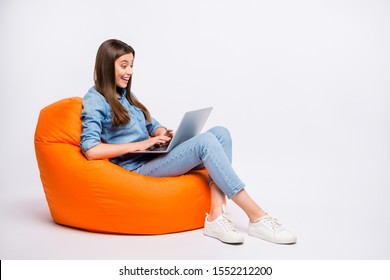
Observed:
{"x":158,"y":148}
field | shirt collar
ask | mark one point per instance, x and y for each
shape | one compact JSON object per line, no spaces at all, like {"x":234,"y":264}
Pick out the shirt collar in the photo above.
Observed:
{"x":121,"y":91}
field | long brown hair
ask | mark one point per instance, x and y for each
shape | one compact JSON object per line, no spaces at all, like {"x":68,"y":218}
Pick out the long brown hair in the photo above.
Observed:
{"x":104,"y":76}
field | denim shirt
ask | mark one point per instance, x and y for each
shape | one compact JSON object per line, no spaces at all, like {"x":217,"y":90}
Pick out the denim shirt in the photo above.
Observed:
{"x":96,"y":119}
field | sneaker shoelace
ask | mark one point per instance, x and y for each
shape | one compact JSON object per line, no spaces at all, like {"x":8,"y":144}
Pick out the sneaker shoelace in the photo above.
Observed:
{"x":226,"y":224}
{"x":272,"y":223}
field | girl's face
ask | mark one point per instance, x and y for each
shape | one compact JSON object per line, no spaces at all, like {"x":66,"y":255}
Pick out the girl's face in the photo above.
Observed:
{"x":123,"y":69}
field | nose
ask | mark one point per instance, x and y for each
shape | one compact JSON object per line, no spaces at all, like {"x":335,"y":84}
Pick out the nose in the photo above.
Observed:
{"x":129,"y":70}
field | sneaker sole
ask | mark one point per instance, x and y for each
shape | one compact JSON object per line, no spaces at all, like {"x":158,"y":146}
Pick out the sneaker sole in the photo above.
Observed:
{"x":273,"y":240}
{"x":227,"y":241}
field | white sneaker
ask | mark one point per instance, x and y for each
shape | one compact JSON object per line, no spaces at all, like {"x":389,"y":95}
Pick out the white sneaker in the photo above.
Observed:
{"x":271,"y":230}
{"x":223,"y":229}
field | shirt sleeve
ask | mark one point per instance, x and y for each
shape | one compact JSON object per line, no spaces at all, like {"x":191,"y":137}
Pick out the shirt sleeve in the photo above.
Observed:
{"x":152,"y":126}
{"x":92,"y":116}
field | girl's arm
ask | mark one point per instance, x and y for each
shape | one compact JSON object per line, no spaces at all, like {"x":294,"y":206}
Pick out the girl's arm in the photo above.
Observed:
{"x":103,"y":150}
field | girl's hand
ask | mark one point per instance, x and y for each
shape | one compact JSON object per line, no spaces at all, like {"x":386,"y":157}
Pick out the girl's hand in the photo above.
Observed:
{"x":163,"y":131}
{"x":169,"y":133}
{"x":158,"y":140}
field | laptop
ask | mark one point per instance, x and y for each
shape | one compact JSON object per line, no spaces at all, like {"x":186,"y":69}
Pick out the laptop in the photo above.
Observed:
{"x":190,"y":126}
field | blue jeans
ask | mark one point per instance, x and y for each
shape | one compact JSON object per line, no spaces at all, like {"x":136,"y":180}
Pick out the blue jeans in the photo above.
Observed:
{"x":212,"y":150}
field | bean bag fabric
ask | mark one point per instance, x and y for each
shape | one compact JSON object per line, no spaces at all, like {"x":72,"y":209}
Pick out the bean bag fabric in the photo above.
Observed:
{"x":100,"y":196}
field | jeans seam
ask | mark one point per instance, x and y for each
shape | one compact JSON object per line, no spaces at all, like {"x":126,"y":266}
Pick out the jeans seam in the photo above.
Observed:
{"x":233,"y":189}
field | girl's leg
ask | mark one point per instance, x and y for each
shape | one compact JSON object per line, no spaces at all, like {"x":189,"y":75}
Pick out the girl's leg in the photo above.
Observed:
{"x":242,"y":198}
{"x":218,"y":200}
{"x":194,"y":154}
{"x":211,"y":149}
{"x":249,"y":206}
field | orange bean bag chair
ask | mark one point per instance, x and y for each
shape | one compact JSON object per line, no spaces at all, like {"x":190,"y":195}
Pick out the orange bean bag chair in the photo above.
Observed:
{"x":100,"y":196}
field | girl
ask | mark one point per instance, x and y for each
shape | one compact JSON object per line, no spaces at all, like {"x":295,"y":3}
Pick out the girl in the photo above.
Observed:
{"x":116,"y":123}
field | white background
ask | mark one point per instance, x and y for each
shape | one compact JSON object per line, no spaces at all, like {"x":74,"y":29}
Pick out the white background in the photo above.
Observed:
{"x":303,"y":87}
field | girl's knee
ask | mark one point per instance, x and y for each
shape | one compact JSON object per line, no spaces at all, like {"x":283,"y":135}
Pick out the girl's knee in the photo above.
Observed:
{"x":207,"y":142}
{"x":220,"y":132}
{"x":207,"y":138}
